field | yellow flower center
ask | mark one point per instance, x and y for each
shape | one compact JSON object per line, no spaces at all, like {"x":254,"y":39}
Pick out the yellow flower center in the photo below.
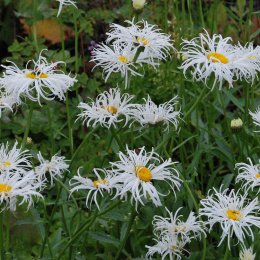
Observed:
{"x":180,"y":228}
{"x":234,"y":214}
{"x":110,"y":109}
{"x":258,"y":175}
{"x":34,"y":75}
{"x":143,"y":173}
{"x":4,"y":188}
{"x":173,"y":247}
{"x":7,"y":164}
{"x":96,"y":183}
{"x":48,"y":168}
{"x":123,"y":59}
{"x":252,"y":57}
{"x":217,"y":57}
{"x":143,"y":40}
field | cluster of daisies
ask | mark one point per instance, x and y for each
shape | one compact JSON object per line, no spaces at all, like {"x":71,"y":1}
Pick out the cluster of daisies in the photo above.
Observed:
{"x":45,"y":80}
{"x":236,"y":213}
{"x":111,"y":108}
{"x":127,"y":47}
{"x":20,"y":181}
{"x":218,"y":57}
{"x":133,"y":175}
{"x":173,"y":233}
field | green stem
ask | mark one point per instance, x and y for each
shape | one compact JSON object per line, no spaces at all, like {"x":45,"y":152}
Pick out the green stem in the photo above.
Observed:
{"x":76,"y":51}
{"x":114,"y":133}
{"x":228,"y":127}
{"x":227,"y":252}
{"x":166,"y":16}
{"x":7,"y":241}
{"x":79,"y":233}
{"x":201,"y":14}
{"x":27,"y":128}
{"x":35,"y":25}
{"x":2,"y":252}
{"x":196,"y":103}
{"x":83,"y":143}
{"x":69,"y":124}
{"x":51,"y":129}
{"x":131,"y":220}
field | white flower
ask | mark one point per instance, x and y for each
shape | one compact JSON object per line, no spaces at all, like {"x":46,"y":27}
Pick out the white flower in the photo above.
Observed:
{"x":107,"y":109}
{"x":55,"y":167}
{"x":119,"y":58}
{"x":137,"y":171}
{"x":138,"y":4}
{"x":7,"y":101}
{"x":246,"y":254}
{"x":65,"y":2}
{"x":98,"y":186}
{"x":256,"y":117}
{"x":151,"y":114}
{"x":167,"y":245}
{"x":235,"y":213}
{"x":248,"y":59}
{"x":155,"y":44}
{"x":13,"y":186}
{"x":14,"y":159}
{"x":249,"y":174}
{"x":210,"y":56}
{"x":43,"y":79}
{"x":189,"y":229}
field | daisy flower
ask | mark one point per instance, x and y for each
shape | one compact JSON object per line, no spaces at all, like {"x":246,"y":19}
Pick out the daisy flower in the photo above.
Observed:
{"x":189,"y":229}
{"x":65,"y":2}
{"x":14,"y":159}
{"x":155,"y":44}
{"x":119,"y":58}
{"x":235,"y":213}
{"x":247,"y":254}
{"x":55,"y":167}
{"x":256,"y":117}
{"x":95,"y":187}
{"x":151,"y":114}
{"x":167,"y":246}
{"x":249,"y":174}
{"x":210,"y":56}
{"x":44,"y":78}
{"x":248,"y":59}
{"x":7,"y":101}
{"x":136,"y":173}
{"x":13,"y":186}
{"x":107,"y":109}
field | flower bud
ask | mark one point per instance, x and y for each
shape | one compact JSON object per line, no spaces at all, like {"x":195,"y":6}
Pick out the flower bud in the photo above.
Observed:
{"x":236,"y":125}
{"x":138,"y":5}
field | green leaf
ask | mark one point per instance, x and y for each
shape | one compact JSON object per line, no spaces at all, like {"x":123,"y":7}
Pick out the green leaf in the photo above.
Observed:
{"x":38,"y":221}
{"x":105,"y":238}
{"x":227,"y":180}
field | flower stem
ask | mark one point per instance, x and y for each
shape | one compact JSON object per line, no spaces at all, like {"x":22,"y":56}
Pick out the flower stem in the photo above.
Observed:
{"x":79,"y":233}
{"x":196,"y":103}
{"x":35,"y":25}
{"x":131,"y":220}
{"x":227,"y":252}
{"x":228,"y":127}
{"x":114,"y":133}
{"x":2,"y":253}
{"x":27,"y":128}
{"x":83,"y":143}
{"x":7,"y":232}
